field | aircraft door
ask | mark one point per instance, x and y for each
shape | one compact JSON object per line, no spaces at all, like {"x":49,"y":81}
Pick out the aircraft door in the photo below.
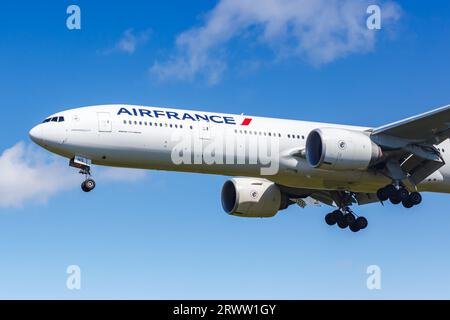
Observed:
{"x":104,"y":122}
{"x":201,"y":139}
{"x":205,"y":131}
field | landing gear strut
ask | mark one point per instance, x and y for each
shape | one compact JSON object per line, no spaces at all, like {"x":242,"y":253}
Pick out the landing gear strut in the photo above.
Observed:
{"x":344,"y":218}
{"x":399,"y":194}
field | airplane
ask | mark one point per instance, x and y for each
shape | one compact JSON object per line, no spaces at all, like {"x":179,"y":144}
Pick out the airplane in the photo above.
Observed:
{"x":274,"y":163}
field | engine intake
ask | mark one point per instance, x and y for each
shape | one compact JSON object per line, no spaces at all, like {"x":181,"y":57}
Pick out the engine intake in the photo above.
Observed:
{"x":341,"y":149}
{"x":252,"y":198}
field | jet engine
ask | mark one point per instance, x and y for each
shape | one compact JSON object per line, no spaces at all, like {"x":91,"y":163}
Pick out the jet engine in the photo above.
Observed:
{"x":253,"y":198}
{"x":341,"y":149}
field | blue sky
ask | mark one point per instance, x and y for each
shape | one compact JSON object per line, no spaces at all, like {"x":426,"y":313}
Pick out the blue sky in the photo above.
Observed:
{"x":162,"y":235}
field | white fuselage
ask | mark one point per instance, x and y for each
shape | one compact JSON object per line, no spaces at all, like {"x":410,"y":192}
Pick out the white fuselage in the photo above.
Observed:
{"x":157,"y":138}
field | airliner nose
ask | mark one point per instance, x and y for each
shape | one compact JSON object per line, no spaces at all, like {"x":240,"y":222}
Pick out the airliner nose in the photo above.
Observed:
{"x":36,"y":135}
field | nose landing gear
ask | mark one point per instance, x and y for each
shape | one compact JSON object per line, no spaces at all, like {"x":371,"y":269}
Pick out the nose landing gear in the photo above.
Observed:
{"x":85,"y":169}
{"x":88,"y":184}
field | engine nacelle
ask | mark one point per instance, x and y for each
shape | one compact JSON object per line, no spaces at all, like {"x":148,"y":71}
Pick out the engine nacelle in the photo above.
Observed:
{"x":340,"y":149}
{"x":252,"y":198}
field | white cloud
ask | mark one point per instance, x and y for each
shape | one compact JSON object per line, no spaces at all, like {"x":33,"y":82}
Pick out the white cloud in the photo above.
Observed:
{"x":318,"y":31}
{"x":129,"y":41}
{"x":28,"y":174}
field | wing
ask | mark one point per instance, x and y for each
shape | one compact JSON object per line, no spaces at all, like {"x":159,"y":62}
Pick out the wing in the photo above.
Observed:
{"x":409,"y":152}
{"x":432,"y":126}
{"x":409,"y":145}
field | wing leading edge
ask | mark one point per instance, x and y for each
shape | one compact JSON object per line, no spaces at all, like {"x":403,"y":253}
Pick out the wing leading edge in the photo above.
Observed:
{"x":432,"y":126}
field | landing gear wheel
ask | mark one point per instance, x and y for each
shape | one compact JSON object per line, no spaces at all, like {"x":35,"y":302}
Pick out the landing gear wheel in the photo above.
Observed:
{"x":361,"y":223}
{"x":382,"y":194}
{"x":354,"y":227}
{"x":332,"y":218}
{"x":395,"y":199}
{"x":88,"y":185}
{"x":390,"y":190}
{"x":415,"y":198}
{"x":349,"y":219}
{"x":342,"y":221}
{"x":407,"y":203}
{"x":403,"y":194}
{"x":395,"y":195}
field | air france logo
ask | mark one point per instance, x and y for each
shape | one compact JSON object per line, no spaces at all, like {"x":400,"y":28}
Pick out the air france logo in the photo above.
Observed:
{"x":156,"y":114}
{"x":246,"y":121}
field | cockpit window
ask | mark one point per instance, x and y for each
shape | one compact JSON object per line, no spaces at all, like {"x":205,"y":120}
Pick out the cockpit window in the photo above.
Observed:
{"x":54,"y":119}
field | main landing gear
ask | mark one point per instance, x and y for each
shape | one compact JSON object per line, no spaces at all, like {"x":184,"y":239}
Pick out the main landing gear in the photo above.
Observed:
{"x":399,"y":194}
{"x":85,"y":169}
{"x":346,"y":218}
